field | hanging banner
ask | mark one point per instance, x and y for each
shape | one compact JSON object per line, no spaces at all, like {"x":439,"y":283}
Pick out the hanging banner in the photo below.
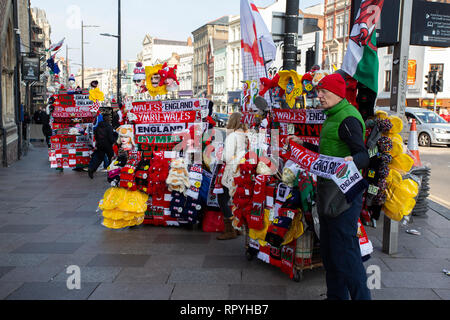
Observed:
{"x":308,"y":116}
{"x":170,"y":105}
{"x":159,"y":129}
{"x":152,"y":140}
{"x":165,"y":117}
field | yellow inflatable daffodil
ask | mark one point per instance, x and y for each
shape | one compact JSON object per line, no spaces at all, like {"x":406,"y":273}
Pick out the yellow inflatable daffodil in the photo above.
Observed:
{"x":402,"y":163}
{"x":291,"y":82}
{"x":397,"y":125}
{"x":400,"y":196}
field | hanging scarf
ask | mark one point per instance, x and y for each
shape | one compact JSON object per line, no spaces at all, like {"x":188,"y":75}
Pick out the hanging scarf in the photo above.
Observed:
{"x":344,"y":173}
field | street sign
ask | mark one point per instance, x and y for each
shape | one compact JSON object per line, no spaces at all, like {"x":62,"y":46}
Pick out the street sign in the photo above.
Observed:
{"x":30,"y":68}
{"x":431,"y":24}
{"x":278,"y":26}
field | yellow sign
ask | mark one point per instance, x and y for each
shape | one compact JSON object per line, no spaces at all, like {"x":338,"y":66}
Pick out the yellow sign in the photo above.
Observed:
{"x":412,"y":68}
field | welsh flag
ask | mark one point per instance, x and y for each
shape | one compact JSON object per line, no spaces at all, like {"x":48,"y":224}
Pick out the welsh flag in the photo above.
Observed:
{"x":56,"y":46}
{"x":361,"y":58}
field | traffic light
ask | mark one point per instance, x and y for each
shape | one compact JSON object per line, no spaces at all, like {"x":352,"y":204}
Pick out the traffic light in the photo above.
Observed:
{"x":310,"y":59}
{"x":439,"y":83}
{"x":299,"y":57}
{"x":430,"y":83}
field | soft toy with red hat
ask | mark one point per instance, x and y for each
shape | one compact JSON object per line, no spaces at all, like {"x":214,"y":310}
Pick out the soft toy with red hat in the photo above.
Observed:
{"x":169,"y":77}
{"x":308,"y":87}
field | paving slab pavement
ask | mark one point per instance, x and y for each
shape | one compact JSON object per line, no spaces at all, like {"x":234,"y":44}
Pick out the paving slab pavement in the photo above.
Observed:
{"x":48,"y":222}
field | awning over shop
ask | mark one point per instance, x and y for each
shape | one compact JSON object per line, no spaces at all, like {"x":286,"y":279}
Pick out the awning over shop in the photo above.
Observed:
{"x":234,"y":97}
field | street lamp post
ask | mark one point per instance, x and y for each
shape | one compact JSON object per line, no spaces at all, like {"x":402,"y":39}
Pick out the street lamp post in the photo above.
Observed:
{"x":67,"y":61}
{"x":82,"y":50}
{"x":119,"y":54}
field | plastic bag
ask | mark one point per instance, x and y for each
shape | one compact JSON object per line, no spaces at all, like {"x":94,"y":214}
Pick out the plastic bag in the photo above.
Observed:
{"x":213,"y":221}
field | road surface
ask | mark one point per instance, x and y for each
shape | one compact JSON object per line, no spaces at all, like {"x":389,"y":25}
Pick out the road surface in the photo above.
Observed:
{"x":439,"y":160}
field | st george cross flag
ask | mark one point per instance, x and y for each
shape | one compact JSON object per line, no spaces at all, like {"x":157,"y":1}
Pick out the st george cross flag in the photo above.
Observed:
{"x":361,"y":58}
{"x":56,"y":46}
{"x":256,"y":43}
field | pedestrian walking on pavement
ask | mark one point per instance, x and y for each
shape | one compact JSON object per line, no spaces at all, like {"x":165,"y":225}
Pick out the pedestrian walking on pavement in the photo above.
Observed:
{"x":104,"y":138}
{"x":234,"y":150}
{"x":342,"y":136}
{"x":46,"y":128}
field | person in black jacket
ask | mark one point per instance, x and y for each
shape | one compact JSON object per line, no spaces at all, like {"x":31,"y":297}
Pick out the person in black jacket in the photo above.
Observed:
{"x":104,"y":137}
{"x":46,"y":128}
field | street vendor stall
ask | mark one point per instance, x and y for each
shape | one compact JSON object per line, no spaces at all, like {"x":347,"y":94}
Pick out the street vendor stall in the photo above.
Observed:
{"x":159,"y":142}
{"x":72,"y":126}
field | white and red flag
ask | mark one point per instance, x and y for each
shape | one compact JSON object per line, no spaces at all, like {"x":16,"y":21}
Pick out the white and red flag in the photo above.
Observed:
{"x":257,"y":46}
{"x":56,"y":46}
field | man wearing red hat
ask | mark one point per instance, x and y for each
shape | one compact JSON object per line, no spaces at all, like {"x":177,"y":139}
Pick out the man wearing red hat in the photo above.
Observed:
{"x":342,"y":136}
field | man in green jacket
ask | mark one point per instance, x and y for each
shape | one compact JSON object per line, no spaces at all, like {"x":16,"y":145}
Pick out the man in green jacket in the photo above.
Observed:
{"x":342,"y":136}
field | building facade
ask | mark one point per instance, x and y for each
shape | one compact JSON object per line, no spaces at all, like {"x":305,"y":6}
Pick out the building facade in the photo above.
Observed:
{"x":336,"y":32}
{"x":155,"y":50}
{"x":206,"y":38}
{"x":220,"y":76}
{"x":14,"y":94}
{"x":421,"y":61}
{"x":40,"y":41}
{"x":185,"y":75}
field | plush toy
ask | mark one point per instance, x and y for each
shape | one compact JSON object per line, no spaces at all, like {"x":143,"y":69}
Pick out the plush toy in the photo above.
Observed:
{"x":268,"y":84}
{"x":168,"y":78}
{"x":153,"y":80}
{"x":72,"y":82}
{"x":126,"y":137}
{"x":319,"y":75}
{"x":139,"y":78}
{"x":308,"y":87}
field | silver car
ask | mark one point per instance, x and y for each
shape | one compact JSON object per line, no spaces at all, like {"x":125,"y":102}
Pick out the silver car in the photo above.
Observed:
{"x":431,"y":128}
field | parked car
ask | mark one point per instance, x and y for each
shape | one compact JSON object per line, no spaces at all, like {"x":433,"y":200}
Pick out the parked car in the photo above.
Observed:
{"x":221,"y":119}
{"x":432,"y":129}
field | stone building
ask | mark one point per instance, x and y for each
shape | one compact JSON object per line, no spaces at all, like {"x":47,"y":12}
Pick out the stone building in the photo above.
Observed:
{"x":336,"y":31}
{"x":14,"y":42}
{"x":206,"y":38}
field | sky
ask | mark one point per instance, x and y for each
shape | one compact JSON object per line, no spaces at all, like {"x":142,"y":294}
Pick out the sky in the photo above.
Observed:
{"x":172,"y":20}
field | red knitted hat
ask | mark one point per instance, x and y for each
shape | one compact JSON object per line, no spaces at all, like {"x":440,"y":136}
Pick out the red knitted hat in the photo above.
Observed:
{"x":334,"y":83}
